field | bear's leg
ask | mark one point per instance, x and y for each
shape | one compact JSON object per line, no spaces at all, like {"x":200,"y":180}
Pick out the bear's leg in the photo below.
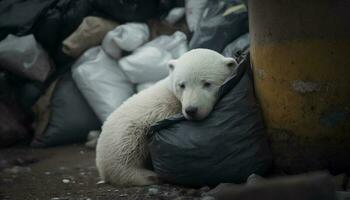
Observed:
{"x":143,"y":177}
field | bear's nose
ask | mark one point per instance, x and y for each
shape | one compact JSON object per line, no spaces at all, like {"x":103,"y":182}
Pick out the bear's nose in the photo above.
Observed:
{"x":191,"y":111}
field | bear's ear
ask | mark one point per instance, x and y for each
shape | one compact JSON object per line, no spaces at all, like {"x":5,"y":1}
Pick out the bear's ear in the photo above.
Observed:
{"x":171,"y":65}
{"x":230,"y":62}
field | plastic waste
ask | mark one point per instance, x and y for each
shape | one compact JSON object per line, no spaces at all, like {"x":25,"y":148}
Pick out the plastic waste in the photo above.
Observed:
{"x":149,"y":62}
{"x":125,"y":37}
{"x":24,"y":57}
{"x":101,"y":81}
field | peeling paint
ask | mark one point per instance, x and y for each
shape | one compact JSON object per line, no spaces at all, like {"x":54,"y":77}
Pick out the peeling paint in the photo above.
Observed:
{"x":305,"y":86}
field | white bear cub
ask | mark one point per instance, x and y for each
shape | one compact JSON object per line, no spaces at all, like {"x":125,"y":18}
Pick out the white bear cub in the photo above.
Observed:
{"x":191,"y":87}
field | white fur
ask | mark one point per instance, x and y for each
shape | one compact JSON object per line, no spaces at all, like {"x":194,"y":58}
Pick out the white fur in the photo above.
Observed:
{"x":193,"y":70}
{"x":122,"y":146}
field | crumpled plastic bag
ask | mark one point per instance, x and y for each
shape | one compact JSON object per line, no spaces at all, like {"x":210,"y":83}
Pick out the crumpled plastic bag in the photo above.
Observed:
{"x":194,"y":10}
{"x":148,"y":63}
{"x":70,"y":116}
{"x":23,"y":56}
{"x":101,"y":81}
{"x":237,"y":46}
{"x":221,"y":23}
{"x":125,"y":37}
{"x":90,"y":33}
{"x":175,"y":15}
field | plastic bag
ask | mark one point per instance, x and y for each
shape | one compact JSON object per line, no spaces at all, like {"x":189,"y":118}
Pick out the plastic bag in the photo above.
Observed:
{"x":90,"y":33}
{"x":59,"y":21}
{"x":175,"y":15}
{"x":194,"y":10}
{"x":71,"y":118}
{"x":101,"y":81}
{"x":23,"y":56}
{"x":221,"y":23}
{"x":13,"y":20}
{"x":226,"y":147}
{"x":125,"y":37}
{"x":148,"y":63}
{"x":237,"y":46}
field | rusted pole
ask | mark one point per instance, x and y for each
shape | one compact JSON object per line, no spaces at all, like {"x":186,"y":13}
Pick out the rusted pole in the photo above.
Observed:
{"x":300,"y":51}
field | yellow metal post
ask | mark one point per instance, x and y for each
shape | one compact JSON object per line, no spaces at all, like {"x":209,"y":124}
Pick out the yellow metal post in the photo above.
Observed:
{"x":300,"y":52}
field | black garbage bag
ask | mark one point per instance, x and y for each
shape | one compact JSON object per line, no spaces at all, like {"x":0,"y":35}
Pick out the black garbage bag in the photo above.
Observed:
{"x":227,"y":146}
{"x":71,"y":117}
{"x":59,"y":22}
{"x":237,"y":47}
{"x":19,"y":16}
{"x":50,"y":21}
{"x":127,"y":11}
{"x":220,"y":24}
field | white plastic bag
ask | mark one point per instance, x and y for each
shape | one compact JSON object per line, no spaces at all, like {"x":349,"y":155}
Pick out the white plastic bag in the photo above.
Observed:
{"x":148,"y":63}
{"x":25,"y":57}
{"x":102,"y":82}
{"x":194,"y":10}
{"x":125,"y":37}
{"x":175,"y":15}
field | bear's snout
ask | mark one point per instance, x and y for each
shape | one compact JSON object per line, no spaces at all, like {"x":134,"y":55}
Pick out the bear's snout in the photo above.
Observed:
{"x":191,"y":111}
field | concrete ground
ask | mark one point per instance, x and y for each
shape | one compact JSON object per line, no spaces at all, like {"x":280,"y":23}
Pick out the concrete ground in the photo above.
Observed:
{"x":67,"y":173}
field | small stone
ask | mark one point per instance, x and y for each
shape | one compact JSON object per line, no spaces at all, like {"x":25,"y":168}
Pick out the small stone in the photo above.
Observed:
{"x":47,"y":173}
{"x":82,"y":152}
{"x":123,"y":195}
{"x":153,"y":191}
{"x":55,"y":198}
{"x":65,"y":180}
{"x":116,"y":190}
{"x":62,"y":168}
{"x":253,"y":179}
{"x":100,"y":182}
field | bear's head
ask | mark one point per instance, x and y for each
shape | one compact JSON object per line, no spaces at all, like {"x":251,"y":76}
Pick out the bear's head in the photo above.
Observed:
{"x":196,"y":78}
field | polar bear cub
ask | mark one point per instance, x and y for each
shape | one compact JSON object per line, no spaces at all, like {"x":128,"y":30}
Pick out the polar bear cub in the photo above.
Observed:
{"x":191,"y":88}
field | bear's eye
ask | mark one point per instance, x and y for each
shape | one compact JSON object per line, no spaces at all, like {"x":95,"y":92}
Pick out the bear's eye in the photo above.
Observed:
{"x":182,"y":85}
{"x":206,"y":84}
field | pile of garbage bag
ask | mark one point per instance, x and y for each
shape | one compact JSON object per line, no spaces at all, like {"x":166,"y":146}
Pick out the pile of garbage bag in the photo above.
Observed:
{"x":66,"y":65}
